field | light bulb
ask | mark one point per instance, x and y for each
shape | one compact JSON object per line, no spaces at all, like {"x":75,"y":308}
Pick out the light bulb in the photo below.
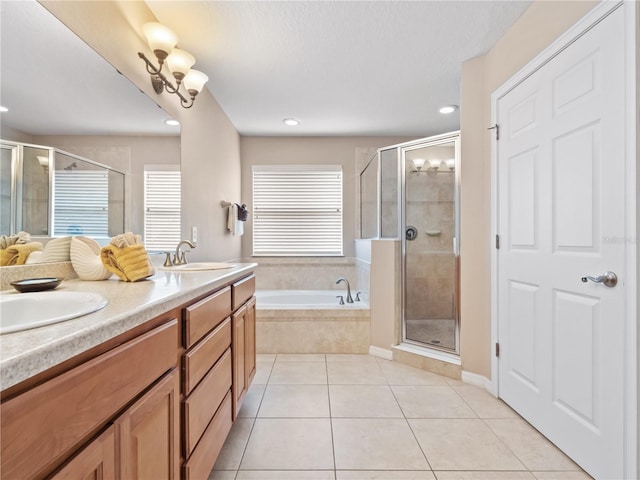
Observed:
{"x":435,"y":164}
{"x":160,"y":39}
{"x":179,"y":63}
{"x":451,"y":163}
{"x":418,"y":163}
{"x":194,"y":82}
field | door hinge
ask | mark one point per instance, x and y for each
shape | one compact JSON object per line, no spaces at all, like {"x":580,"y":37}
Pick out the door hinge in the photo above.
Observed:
{"x":497,"y":349}
{"x":497,"y":242}
{"x":496,"y":127}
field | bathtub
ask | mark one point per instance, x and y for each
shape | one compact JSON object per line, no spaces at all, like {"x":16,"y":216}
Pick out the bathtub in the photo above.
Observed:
{"x":310,"y":321}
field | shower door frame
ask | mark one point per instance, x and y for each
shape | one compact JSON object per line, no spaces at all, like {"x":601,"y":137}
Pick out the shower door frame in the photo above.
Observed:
{"x":443,"y":353}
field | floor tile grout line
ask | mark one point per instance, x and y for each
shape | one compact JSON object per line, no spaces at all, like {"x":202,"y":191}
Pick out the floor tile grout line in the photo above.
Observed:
{"x":411,"y":429}
{"x":333,"y":443}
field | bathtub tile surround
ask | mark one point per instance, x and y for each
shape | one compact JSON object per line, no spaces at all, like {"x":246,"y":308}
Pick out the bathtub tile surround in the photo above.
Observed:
{"x":303,"y":327}
{"x":403,"y":424}
{"x":304,"y":273}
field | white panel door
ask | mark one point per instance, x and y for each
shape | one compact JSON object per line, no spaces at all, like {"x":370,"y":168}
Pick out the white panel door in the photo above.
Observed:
{"x":561,"y":216}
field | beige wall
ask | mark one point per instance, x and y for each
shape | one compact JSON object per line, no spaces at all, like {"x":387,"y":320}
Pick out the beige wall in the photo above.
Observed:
{"x":210,"y":145}
{"x":538,"y":27}
{"x":310,"y":151}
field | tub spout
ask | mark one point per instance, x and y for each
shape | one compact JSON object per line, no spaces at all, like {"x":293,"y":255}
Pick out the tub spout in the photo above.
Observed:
{"x":349,"y":297}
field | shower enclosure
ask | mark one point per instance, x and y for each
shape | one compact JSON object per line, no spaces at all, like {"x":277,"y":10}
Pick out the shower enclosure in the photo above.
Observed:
{"x":418,"y":203}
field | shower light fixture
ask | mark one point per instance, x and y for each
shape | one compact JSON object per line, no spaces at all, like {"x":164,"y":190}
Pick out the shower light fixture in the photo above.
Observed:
{"x":418,"y":163}
{"x":163,"y":41}
{"x":451,"y":164}
{"x":291,"y":122}
{"x":434,"y":166}
{"x":43,"y":161}
{"x":3,"y":109}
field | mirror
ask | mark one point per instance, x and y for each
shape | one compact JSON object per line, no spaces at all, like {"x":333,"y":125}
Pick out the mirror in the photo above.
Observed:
{"x":62,"y":94}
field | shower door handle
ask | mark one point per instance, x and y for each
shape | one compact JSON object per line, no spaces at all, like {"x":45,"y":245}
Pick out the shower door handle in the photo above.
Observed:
{"x":455,"y":247}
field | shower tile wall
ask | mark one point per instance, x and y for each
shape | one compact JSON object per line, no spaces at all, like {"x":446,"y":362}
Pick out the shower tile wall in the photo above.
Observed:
{"x":430,"y":265}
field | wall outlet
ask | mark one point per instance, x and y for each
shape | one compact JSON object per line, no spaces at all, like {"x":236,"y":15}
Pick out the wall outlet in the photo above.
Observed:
{"x":194,"y":234}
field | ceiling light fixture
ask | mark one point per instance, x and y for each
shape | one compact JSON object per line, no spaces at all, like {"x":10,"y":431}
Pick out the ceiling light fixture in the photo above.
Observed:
{"x":3,"y":109}
{"x":447,"y":109}
{"x":172,"y":122}
{"x":292,"y":122}
{"x":163,"y":41}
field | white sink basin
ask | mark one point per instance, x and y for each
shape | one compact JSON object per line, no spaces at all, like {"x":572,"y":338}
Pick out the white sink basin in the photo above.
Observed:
{"x":22,"y":311}
{"x":196,"y":266}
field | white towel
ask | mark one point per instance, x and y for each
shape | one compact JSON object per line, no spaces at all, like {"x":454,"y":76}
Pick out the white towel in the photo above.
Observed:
{"x":235,"y":226}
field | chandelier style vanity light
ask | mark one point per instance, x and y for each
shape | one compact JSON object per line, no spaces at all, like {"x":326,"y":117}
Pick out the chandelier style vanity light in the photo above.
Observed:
{"x":163,"y":42}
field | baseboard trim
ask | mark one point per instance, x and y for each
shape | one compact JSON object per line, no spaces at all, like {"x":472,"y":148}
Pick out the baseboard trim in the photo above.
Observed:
{"x":380,"y":352}
{"x":479,"y":381}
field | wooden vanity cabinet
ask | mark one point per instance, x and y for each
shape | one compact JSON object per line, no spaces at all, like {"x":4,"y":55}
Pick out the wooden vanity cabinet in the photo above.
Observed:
{"x":96,"y":462}
{"x":145,"y":440}
{"x":243,"y":339}
{"x":156,"y":402}
{"x":217,"y":366}
{"x":62,"y":418}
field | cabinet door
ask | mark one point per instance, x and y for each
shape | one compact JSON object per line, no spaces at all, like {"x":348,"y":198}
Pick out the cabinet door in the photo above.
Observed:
{"x":250,"y":342}
{"x":96,"y":462}
{"x":148,"y":433}
{"x":238,"y":358}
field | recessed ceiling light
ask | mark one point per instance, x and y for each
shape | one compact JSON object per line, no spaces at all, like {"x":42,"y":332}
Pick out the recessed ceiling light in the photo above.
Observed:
{"x":292,"y":122}
{"x":172,"y":122}
{"x":448,"y":109}
{"x":3,"y":109}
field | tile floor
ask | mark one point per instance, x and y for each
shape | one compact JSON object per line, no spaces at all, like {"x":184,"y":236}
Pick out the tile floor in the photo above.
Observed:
{"x":358,"y":417}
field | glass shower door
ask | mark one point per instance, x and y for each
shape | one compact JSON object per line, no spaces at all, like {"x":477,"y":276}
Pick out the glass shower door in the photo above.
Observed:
{"x":430,"y":257}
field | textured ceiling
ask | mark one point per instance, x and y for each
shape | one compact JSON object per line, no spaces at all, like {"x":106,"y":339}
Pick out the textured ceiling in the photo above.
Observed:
{"x":341,"y":68}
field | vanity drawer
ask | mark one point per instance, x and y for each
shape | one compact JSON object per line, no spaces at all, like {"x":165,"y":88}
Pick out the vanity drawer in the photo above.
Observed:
{"x":203,"y":402}
{"x":205,"y":455}
{"x":204,"y":315}
{"x":46,"y":423}
{"x":197,"y":362}
{"x":242,"y":291}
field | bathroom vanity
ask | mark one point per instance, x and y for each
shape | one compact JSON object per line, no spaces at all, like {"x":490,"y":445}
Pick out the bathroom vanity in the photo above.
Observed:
{"x":148,"y":387}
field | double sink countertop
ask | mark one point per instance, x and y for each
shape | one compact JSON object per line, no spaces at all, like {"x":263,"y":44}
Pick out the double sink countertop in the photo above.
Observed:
{"x":29,"y":352}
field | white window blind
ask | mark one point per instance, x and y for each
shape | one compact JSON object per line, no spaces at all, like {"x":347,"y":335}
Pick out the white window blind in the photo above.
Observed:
{"x":297,"y":210}
{"x":161,"y":208}
{"x":81,"y":203}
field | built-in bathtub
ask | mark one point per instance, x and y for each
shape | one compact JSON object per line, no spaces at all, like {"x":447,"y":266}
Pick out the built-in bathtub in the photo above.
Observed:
{"x":310,"y":321}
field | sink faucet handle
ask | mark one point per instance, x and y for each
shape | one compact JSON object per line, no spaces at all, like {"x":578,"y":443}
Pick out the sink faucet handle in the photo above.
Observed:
{"x":341,"y":299}
{"x":167,"y":260}
{"x":358,"y":296}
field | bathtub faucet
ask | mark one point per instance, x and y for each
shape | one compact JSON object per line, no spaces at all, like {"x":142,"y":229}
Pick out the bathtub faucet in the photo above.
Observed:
{"x":349,"y":297}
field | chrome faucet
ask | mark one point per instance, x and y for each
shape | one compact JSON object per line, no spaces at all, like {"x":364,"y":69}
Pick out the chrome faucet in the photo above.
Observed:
{"x":179,"y":258}
{"x":349,"y":297}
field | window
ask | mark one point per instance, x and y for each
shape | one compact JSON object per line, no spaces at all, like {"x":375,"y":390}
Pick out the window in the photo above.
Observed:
{"x":297,"y":210}
{"x":81,"y":203}
{"x":161,"y":207}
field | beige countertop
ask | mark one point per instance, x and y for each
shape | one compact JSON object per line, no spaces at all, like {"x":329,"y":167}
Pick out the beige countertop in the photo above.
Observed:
{"x":27,"y":353}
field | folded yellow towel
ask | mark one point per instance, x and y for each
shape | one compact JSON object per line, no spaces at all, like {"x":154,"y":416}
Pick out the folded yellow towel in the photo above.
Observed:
{"x":18,"y":254}
{"x":130,"y":263}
